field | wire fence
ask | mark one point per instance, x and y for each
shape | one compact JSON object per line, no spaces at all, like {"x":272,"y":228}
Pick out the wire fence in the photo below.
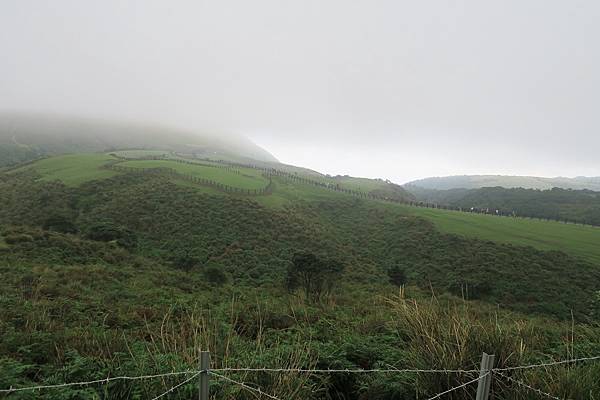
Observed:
{"x":220,"y":373}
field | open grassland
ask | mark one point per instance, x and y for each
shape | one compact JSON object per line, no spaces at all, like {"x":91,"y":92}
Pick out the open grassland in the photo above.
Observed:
{"x":245,"y":178}
{"x":72,"y":169}
{"x":577,"y":240}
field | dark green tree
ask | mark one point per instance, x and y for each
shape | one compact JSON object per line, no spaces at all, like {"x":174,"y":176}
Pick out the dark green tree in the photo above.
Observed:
{"x":215,"y":275}
{"x":313,"y":275}
{"x":397,"y":275}
{"x":59,"y":223}
{"x":108,"y":232}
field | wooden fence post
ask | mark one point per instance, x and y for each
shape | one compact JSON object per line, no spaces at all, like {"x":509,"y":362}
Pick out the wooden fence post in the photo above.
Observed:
{"x":204,"y":375}
{"x":484,"y":383}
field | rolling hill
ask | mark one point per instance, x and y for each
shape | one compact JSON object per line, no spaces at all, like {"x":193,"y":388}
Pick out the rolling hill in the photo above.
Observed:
{"x":526,"y":182}
{"x":25,"y":137}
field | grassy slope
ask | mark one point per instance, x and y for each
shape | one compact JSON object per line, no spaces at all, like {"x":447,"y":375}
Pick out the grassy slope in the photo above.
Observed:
{"x":576,"y":240}
{"x":247,"y":179}
{"x":33,"y":135}
{"x":72,"y":169}
{"x":74,"y":309}
{"x":573,"y":239}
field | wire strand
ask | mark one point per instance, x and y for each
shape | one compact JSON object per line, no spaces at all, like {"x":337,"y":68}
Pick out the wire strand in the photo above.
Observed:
{"x":459,"y":387}
{"x":176,"y":386}
{"x":346,"y":371}
{"x":549,"y":364}
{"x":103,"y":381}
{"x":523,"y":384}
{"x":245,"y":386}
{"x":296,"y":370}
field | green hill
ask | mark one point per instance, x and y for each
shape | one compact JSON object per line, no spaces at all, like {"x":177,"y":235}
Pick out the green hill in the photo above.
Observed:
{"x":343,"y":204}
{"x":128,"y":262}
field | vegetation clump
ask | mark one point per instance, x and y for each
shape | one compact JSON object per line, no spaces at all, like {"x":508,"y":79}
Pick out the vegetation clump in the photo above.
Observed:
{"x":315,"y":276}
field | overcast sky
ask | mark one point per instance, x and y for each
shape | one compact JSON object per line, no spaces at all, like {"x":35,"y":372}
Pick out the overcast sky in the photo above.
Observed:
{"x":392,"y":89}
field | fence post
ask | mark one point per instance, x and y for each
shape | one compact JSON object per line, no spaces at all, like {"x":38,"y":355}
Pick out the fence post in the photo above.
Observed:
{"x":483,"y":385}
{"x":204,"y":375}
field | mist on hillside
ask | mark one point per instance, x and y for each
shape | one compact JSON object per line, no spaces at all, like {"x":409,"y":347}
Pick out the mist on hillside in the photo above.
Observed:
{"x":27,"y":135}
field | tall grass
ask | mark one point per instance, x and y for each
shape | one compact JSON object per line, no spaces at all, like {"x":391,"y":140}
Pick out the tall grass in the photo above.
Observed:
{"x":450,"y":334}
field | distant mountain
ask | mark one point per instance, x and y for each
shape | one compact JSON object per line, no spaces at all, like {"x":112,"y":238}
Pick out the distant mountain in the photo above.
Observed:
{"x":27,"y":136}
{"x":526,"y":182}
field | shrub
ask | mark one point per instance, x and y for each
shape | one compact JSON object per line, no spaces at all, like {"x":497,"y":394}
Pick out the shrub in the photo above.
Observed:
{"x":59,"y":223}
{"x":107,"y":232}
{"x":315,"y":276}
{"x":184,"y":260}
{"x":215,"y":275}
{"x":397,"y":275}
{"x":17,"y":238}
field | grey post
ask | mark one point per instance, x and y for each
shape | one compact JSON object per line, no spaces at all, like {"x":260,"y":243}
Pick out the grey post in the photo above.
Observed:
{"x":204,"y":375}
{"x":483,"y":385}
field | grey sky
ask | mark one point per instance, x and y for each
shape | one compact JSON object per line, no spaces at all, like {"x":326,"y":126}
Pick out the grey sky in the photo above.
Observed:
{"x":392,"y":89}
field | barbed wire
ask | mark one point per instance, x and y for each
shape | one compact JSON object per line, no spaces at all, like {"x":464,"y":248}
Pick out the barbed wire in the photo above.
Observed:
{"x":245,"y":386}
{"x":103,"y":381}
{"x":459,"y":387}
{"x":523,"y":384}
{"x":177,"y":386}
{"x":347,"y":371}
{"x":299,"y":370}
{"x":548,"y":364}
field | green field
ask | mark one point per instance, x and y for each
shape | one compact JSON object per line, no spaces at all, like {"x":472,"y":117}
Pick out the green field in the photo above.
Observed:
{"x":577,"y":240}
{"x":246,"y":178}
{"x":72,"y":169}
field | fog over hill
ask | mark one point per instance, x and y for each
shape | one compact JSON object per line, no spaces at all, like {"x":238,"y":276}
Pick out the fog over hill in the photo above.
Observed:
{"x":26,"y":136}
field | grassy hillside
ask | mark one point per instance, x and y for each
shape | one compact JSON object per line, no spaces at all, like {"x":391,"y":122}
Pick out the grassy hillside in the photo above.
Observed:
{"x":381,"y":234}
{"x":72,"y":169}
{"x":132,"y":273}
{"x":244,"y":178}
{"x":526,"y":182}
{"x":576,"y":240}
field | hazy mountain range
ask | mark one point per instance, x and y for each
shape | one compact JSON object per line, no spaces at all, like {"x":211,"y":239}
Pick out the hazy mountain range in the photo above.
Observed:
{"x":27,"y":136}
{"x":526,"y":182}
